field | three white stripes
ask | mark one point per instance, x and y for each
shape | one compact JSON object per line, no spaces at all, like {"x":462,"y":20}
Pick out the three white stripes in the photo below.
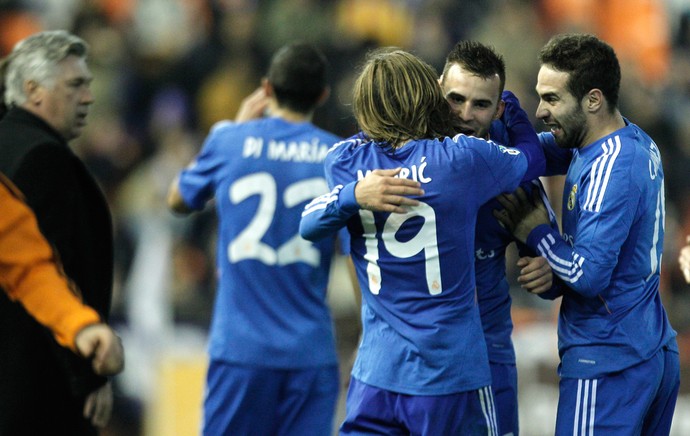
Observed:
{"x":322,"y":201}
{"x":569,"y":271}
{"x":600,"y":174}
{"x":585,"y":408}
{"x":599,"y":177}
{"x":486,"y":398}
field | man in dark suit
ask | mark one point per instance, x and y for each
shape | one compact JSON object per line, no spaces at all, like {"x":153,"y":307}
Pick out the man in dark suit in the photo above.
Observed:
{"x":44,"y":388}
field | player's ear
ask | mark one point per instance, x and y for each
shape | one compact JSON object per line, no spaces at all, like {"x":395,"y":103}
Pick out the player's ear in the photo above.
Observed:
{"x":594,"y":100}
{"x":324,"y":96}
{"x":499,"y":109}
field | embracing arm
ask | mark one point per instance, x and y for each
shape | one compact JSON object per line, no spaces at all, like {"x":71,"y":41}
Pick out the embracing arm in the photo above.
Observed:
{"x":586,"y":271}
{"x":379,"y":191}
{"x":522,"y":136}
{"x":328,"y":213}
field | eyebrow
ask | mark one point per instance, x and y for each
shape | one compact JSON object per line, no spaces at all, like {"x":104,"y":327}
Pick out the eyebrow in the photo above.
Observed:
{"x":457,"y":94}
{"x":548,"y":95}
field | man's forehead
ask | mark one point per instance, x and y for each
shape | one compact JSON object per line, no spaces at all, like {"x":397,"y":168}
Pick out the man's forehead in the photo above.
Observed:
{"x":460,"y":80}
{"x":551,"y":78}
{"x":74,"y":67}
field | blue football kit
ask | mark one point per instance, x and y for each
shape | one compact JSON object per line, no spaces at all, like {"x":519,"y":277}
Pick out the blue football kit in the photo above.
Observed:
{"x":619,"y":357}
{"x":271,"y":322}
{"x":422,"y":333}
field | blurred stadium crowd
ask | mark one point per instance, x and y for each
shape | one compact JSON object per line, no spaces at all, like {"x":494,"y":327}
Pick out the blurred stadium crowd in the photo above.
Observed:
{"x":166,"y":70}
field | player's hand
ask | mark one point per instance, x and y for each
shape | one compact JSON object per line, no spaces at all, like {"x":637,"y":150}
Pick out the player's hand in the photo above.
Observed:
{"x":522,"y":213}
{"x":99,"y":406}
{"x":100,"y":343}
{"x":513,"y":113}
{"x":381,"y":191}
{"x":253,"y":106}
{"x":684,"y":260}
{"x":535,"y":274}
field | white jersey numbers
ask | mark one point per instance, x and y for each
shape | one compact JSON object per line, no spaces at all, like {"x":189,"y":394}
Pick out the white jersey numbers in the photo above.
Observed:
{"x":425,"y":241}
{"x":248,"y":244}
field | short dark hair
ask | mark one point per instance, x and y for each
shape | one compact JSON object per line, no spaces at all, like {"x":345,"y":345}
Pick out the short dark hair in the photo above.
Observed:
{"x":479,"y":59}
{"x":298,"y":76}
{"x":591,"y":63}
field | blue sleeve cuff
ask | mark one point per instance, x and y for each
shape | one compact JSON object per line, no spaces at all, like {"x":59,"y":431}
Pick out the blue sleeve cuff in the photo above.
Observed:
{"x":347,"y":202}
{"x":537,"y":234}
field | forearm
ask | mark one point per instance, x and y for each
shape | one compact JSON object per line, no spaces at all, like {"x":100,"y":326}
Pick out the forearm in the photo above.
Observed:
{"x":522,"y":136}
{"x":29,"y":273}
{"x":45,"y":297}
{"x":579,"y":274}
{"x":525,"y":139}
{"x":326,"y":214}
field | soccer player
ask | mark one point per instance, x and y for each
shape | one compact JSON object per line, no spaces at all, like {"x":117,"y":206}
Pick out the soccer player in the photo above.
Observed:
{"x":619,"y":358}
{"x":472,"y":82}
{"x":273,"y":364}
{"x":684,"y":260}
{"x":422,"y":366}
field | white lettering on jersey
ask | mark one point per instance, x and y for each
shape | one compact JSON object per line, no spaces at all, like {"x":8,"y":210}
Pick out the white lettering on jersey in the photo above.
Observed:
{"x":303,"y":151}
{"x":415,"y":172}
{"x":252,"y":147}
{"x":511,"y":151}
{"x":481,"y":254}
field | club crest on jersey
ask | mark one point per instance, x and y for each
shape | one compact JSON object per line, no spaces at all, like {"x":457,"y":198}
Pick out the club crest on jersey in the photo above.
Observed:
{"x":512,"y":151}
{"x":572,"y":197}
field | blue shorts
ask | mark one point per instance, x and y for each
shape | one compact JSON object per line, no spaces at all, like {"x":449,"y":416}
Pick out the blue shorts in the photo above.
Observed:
{"x":372,"y":410}
{"x":241,"y":400}
{"x":504,"y":384}
{"x":636,"y":401}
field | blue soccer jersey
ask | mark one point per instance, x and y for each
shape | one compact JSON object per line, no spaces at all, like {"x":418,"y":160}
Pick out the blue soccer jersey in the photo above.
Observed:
{"x":270,"y":308}
{"x":421,"y":329}
{"x":609,"y":254}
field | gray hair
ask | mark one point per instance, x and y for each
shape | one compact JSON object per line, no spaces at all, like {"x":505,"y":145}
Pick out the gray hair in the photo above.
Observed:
{"x":36,"y":58}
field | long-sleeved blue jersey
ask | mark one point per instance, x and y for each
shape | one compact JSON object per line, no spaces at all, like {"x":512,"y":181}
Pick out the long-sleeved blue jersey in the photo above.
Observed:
{"x":270,"y":309}
{"x":609,"y":253}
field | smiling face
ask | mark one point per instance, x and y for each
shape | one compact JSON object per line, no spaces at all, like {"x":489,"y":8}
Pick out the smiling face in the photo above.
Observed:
{"x":559,"y":109}
{"x":475,"y":100}
{"x":64,"y":102}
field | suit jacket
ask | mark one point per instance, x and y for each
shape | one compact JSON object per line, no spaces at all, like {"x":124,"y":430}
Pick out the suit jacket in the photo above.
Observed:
{"x":43,"y":385}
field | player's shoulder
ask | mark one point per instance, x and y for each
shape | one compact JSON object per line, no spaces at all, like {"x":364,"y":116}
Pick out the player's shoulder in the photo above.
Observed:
{"x":628,"y":147}
{"x":345,"y":148}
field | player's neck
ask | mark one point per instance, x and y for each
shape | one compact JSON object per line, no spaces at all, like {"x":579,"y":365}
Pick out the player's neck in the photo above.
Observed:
{"x":604,"y":126}
{"x":289,"y":115}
